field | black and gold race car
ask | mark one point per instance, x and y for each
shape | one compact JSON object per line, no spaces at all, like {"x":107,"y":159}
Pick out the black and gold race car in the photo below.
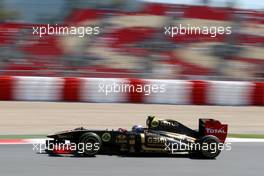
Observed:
{"x":162,"y":137}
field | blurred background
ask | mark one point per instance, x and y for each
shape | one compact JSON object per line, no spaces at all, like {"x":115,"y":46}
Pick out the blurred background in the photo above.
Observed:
{"x":131,"y":42}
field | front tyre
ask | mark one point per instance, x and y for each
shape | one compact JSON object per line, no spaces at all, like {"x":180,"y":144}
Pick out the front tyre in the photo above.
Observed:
{"x":89,"y":144}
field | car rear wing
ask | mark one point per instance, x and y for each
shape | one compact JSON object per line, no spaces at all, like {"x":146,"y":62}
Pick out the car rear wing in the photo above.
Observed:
{"x":213,"y":127}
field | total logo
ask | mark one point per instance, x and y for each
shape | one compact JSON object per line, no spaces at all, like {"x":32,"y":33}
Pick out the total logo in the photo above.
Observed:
{"x":211,"y":130}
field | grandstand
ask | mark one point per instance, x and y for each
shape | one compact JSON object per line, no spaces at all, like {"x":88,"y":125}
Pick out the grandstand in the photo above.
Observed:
{"x":132,"y":43}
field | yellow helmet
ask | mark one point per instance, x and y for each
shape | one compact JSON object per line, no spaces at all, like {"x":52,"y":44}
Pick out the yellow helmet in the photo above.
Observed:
{"x":152,"y":122}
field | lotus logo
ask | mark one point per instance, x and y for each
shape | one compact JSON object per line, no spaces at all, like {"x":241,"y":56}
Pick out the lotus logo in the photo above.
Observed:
{"x":106,"y":137}
{"x":211,"y":130}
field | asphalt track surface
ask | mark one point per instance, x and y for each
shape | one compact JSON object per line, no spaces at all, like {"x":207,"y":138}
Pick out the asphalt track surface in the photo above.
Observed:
{"x":19,"y":160}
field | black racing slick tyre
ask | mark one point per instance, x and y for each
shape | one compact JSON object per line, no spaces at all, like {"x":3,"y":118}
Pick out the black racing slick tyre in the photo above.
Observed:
{"x":89,"y":144}
{"x":209,"y":147}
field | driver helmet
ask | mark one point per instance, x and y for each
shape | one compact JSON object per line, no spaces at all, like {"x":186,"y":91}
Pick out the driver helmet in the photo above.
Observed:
{"x":149,"y":120}
{"x":152,"y":122}
{"x":138,"y":129}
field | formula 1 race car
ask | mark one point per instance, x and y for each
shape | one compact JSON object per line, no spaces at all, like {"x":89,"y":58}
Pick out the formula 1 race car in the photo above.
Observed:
{"x":165,"y":137}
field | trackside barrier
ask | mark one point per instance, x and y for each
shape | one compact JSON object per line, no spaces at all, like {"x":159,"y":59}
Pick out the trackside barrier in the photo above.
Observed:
{"x":115,"y":90}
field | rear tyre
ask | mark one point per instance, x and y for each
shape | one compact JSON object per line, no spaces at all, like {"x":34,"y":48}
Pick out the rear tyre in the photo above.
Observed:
{"x":89,"y":144}
{"x":209,"y":147}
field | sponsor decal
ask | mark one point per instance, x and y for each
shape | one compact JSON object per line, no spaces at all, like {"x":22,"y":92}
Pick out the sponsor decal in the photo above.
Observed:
{"x":155,"y":140}
{"x":166,"y":123}
{"x":211,"y":130}
{"x":121,"y":139}
{"x":132,"y":142}
{"x":106,"y":137}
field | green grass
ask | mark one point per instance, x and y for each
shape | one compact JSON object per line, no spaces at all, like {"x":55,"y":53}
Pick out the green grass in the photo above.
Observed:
{"x":257,"y":136}
{"x":32,"y":136}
